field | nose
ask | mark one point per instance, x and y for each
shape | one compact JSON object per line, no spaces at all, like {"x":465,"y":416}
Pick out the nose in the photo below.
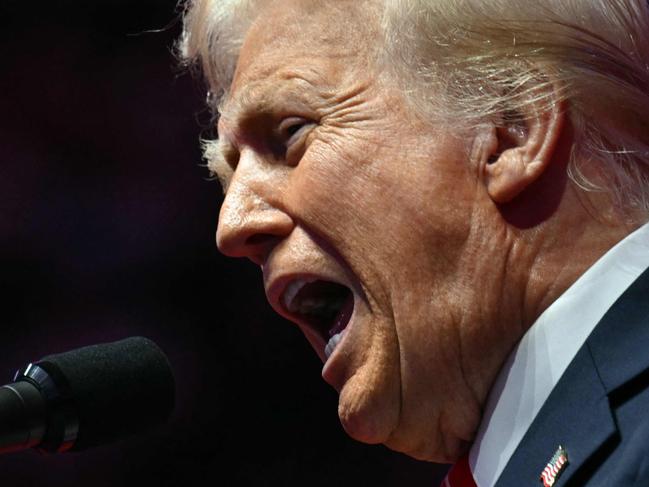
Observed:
{"x":251,"y":223}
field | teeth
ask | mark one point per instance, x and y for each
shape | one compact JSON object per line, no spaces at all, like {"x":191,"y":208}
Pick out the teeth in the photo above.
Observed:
{"x":291,"y":291}
{"x":333,"y":343}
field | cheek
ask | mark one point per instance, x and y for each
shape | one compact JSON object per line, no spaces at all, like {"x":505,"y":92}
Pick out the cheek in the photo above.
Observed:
{"x":339,"y":195}
{"x":399,"y":222}
{"x":384,"y":206}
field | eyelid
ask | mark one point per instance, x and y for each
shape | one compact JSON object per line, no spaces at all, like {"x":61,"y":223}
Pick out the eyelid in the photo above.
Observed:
{"x":287,"y":124}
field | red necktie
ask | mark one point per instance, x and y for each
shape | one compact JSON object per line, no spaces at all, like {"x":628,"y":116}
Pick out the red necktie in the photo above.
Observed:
{"x":460,"y":475}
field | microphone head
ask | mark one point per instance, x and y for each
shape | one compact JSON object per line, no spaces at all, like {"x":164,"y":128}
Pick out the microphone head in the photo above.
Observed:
{"x":114,"y":389}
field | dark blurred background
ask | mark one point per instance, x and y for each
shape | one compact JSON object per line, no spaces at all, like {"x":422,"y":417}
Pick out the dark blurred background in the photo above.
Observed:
{"x":107,"y":224}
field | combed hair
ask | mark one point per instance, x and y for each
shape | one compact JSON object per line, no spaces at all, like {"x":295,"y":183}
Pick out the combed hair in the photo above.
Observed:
{"x":471,"y":61}
{"x":489,"y":58}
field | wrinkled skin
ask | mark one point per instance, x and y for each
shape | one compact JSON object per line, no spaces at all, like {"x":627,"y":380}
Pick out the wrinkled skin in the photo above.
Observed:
{"x":330,"y":175}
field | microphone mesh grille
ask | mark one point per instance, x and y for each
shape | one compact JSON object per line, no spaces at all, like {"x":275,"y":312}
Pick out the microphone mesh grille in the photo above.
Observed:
{"x":117,"y":389}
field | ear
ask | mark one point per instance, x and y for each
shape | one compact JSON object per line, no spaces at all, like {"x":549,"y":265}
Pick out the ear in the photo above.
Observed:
{"x":520,"y":148}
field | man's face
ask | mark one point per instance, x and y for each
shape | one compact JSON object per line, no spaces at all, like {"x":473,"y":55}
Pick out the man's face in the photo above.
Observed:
{"x":370,"y":226}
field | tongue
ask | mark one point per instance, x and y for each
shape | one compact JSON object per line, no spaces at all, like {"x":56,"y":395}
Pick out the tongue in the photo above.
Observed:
{"x":343,"y":316}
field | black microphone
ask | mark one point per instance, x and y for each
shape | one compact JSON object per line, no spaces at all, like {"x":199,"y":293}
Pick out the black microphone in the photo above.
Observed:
{"x":87,"y":397}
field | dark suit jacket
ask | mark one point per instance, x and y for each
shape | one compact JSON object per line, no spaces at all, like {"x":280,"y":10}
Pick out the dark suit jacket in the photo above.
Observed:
{"x":599,"y":410}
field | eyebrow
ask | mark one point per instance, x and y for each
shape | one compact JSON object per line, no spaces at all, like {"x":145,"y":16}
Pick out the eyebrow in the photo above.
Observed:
{"x":259,"y":99}
{"x":215,"y":153}
{"x":247,"y":108}
{"x":243,"y":114}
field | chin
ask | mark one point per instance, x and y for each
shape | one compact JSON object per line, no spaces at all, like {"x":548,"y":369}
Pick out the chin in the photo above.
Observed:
{"x":361,"y":427}
{"x":368,"y":414}
{"x":417,"y":436}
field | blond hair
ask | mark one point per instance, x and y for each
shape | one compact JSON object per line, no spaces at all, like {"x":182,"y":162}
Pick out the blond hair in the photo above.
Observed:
{"x":212,"y":36}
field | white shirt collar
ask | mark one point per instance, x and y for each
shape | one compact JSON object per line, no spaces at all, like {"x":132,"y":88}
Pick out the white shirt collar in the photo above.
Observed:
{"x":540,"y":358}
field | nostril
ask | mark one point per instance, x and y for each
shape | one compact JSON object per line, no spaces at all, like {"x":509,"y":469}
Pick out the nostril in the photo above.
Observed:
{"x":250,"y":228}
{"x":259,"y":245}
{"x":260,"y":239}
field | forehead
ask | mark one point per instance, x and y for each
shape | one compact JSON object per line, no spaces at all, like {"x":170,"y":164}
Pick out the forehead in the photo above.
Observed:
{"x":311,"y":42}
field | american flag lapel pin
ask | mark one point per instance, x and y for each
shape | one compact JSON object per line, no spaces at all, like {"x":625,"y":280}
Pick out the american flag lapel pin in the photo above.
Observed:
{"x":554,"y":467}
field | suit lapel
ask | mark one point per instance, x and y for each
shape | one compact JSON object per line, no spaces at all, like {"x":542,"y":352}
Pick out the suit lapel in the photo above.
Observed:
{"x":577,"y":414}
{"x":620,"y":343}
{"x":580,"y":420}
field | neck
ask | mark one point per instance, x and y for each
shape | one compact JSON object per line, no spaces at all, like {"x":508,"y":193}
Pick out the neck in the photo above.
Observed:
{"x":561,"y":249}
{"x":539,"y":263}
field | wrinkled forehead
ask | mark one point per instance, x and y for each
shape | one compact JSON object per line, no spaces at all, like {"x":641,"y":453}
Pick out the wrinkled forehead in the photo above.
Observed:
{"x":324,"y":38}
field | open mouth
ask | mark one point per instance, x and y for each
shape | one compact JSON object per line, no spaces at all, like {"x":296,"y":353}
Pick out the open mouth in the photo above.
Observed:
{"x":324,"y":306}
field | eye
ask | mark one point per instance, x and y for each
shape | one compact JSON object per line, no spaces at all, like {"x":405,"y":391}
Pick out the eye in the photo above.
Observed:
{"x":292,"y":128}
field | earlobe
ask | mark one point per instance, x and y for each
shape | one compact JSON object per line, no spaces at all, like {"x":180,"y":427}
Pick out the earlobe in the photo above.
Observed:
{"x":524,"y":149}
